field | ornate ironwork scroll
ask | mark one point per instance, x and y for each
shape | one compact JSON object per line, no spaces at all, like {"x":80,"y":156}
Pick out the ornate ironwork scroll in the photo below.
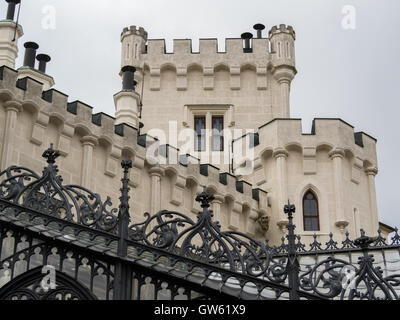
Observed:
{"x":202,"y":240}
{"x":47,"y":194}
{"x":338,"y":278}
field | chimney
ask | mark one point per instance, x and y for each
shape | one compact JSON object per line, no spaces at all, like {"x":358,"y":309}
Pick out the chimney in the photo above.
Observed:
{"x":247,"y":36}
{"x":11,"y":9}
{"x":43,"y":59}
{"x":128,"y":78}
{"x":259,"y":27}
{"x":30,"y":54}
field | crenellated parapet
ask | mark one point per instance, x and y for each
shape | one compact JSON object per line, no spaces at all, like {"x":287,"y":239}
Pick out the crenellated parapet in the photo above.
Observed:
{"x":92,"y":145}
{"x":247,"y":74}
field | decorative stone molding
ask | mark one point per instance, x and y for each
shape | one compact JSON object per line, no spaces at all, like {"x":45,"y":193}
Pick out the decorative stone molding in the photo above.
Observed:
{"x":356,"y":170}
{"x":65,"y":139}
{"x":280,"y":152}
{"x":208,"y":78}
{"x":155,"y":73}
{"x":235,"y":77}
{"x":177,"y":190}
{"x":135,"y":174}
{"x":261,"y":78}
{"x":234,"y":217}
{"x":371,"y":171}
{"x":337,"y":152}
{"x":309,"y":160}
{"x":181,"y":78}
{"x":112,"y":161}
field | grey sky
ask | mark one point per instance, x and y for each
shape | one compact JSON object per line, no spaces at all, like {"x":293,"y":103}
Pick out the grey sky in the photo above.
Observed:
{"x":348,"y":74}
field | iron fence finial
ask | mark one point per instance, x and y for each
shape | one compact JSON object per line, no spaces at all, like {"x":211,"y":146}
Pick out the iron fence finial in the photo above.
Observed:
{"x":205,"y":198}
{"x":51,"y":154}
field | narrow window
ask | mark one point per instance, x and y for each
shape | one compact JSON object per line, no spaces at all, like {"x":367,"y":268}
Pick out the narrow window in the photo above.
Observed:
{"x":287,"y":49}
{"x":217,"y":133}
{"x":310,"y":212}
{"x":199,"y":128}
{"x":279,"y":49}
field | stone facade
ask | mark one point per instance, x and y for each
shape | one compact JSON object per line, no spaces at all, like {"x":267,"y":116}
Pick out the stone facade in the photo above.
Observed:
{"x":249,"y":89}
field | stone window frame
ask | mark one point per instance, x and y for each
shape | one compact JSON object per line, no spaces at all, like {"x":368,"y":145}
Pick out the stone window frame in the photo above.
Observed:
{"x":309,"y":216}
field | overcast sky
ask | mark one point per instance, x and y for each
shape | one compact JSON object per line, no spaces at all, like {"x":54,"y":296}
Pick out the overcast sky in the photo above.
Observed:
{"x":352,"y":74}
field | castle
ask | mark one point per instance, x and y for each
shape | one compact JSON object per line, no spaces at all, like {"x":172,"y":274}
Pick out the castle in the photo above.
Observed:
{"x":227,"y":103}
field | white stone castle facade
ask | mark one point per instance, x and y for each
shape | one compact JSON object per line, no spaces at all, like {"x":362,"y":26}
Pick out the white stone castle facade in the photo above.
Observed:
{"x":329,"y":174}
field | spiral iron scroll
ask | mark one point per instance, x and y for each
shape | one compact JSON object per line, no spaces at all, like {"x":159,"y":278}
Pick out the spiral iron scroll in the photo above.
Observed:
{"x":48,"y":195}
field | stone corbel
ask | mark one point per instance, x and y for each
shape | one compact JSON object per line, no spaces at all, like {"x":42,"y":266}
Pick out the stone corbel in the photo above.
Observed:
{"x":262,"y":78}
{"x":135,"y":174}
{"x":155,"y":79}
{"x":356,"y":170}
{"x":309,"y":160}
{"x":39,"y":128}
{"x":181,"y":78}
{"x":112,"y":161}
{"x":259,"y":174}
{"x":177,"y":190}
{"x":235,"y":77}
{"x":234,"y":218}
{"x":208,"y":78}
{"x":65,"y":138}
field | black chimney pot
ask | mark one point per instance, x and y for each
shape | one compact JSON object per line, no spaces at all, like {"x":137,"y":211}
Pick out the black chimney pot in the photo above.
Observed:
{"x":259,"y":27}
{"x":43,"y":59}
{"x":11,"y":8}
{"x":30,"y":54}
{"x":247,"y":36}
{"x":128,"y":78}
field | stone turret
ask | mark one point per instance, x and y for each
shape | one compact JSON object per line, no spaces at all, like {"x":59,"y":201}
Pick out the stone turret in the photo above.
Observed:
{"x":283,"y":60}
{"x":10,"y":33}
{"x":133,"y":41}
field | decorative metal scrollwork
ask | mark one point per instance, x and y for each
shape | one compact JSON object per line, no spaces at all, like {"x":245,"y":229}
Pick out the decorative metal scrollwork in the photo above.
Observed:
{"x":202,"y":240}
{"x":48,"y":195}
{"x":337,"y":278}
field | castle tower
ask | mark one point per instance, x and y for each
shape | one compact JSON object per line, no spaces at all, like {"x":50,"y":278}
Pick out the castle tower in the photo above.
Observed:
{"x":10,"y":33}
{"x":133,"y":42}
{"x":283,"y":60}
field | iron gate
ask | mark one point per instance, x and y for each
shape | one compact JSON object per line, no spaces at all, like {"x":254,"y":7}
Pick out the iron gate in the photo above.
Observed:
{"x":94,"y":252}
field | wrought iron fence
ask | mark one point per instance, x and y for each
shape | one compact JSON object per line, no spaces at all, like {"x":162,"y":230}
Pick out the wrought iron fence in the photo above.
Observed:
{"x":169,"y":255}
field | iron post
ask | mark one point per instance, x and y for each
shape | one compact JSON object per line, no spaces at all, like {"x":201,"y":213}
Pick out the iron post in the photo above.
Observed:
{"x":122,"y":286}
{"x":292,"y":266}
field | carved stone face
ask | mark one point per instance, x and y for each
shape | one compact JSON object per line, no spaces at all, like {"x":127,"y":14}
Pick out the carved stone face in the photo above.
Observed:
{"x":264,"y":223}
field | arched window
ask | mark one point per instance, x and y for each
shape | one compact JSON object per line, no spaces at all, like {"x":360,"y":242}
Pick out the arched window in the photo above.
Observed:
{"x":310,"y":212}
